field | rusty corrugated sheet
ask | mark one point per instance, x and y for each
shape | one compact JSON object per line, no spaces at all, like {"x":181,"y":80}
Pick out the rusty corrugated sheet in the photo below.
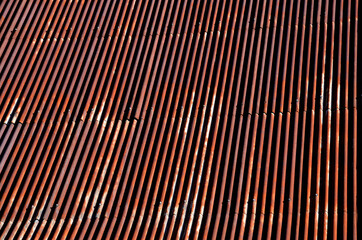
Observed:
{"x":179,"y":119}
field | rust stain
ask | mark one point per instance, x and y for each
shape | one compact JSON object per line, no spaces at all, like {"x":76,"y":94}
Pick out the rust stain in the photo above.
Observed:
{"x":173,"y":119}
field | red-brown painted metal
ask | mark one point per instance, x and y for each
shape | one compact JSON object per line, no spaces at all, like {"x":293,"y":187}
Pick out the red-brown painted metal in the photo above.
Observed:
{"x":145,"y":119}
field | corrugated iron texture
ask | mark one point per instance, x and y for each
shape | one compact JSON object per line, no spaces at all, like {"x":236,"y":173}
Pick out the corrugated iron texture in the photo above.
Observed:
{"x":179,"y":119}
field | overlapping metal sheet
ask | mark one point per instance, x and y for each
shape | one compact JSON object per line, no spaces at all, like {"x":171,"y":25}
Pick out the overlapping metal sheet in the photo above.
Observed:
{"x":179,"y":119}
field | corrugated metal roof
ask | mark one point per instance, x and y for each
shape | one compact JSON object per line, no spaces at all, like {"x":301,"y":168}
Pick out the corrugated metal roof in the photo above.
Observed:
{"x":178,"y":119}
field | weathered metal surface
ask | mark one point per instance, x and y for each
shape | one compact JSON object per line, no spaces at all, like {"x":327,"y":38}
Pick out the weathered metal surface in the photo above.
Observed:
{"x":179,"y":119}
